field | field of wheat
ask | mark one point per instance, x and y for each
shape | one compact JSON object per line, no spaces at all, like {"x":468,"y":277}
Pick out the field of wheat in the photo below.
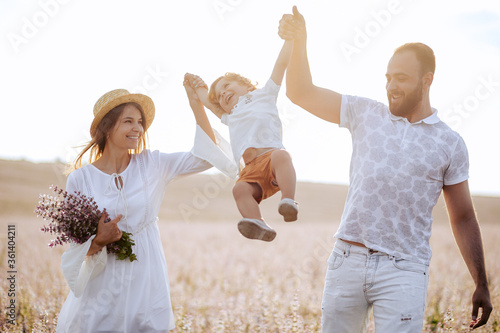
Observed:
{"x":221,"y":282}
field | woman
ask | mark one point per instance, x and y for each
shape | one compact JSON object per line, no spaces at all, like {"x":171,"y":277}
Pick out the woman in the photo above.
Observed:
{"x":110,"y":295}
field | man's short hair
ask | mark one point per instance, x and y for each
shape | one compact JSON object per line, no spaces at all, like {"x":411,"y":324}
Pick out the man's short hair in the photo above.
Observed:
{"x":424,"y":55}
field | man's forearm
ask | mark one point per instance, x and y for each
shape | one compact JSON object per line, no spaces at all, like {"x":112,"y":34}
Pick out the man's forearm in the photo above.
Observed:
{"x":468,"y":237}
{"x":298,"y":78}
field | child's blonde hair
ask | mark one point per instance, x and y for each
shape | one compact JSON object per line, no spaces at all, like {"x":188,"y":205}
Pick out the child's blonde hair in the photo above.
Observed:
{"x":212,"y":97}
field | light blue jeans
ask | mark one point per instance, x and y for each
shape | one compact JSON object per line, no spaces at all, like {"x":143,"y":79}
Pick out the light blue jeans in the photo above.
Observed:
{"x":360,"y":280}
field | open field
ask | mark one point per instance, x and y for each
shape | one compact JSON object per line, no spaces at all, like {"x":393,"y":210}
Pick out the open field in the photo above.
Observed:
{"x":221,"y":282}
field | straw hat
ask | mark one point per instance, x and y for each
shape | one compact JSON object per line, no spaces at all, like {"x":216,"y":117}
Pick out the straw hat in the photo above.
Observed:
{"x":117,"y":97}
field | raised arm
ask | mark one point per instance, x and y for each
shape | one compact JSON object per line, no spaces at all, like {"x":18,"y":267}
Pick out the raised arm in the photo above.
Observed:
{"x":321,"y":102}
{"x":468,"y":237}
{"x":282,"y":62}
{"x":198,"y":109}
{"x":201,"y":90}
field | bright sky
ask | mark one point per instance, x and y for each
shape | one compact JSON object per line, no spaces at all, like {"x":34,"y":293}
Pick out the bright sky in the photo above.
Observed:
{"x":59,"y":56}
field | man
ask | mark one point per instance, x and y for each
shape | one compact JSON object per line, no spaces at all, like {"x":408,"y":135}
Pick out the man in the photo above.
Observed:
{"x":403,"y":157}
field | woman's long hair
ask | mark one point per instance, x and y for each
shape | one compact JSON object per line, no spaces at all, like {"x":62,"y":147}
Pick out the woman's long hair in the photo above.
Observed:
{"x":99,"y":137}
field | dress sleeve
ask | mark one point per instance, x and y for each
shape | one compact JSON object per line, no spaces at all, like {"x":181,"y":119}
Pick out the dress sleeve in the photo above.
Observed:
{"x":78,"y":269}
{"x":218,"y":154}
{"x":204,"y":154}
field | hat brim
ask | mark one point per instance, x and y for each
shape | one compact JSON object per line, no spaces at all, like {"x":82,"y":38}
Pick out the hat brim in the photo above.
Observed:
{"x":144,"y":101}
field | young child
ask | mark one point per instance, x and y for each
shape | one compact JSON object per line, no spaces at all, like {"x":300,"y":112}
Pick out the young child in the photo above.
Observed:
{"x":255,"y":135}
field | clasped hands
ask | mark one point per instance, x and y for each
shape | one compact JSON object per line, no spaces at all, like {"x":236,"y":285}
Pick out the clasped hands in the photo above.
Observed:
{"x":292,"y":26}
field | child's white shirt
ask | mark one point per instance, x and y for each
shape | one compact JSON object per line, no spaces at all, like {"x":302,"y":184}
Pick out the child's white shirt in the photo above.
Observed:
{"x":254,"y":121}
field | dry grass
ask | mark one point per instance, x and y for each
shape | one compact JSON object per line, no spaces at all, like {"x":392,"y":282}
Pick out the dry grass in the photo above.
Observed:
{"x":221,"y":282}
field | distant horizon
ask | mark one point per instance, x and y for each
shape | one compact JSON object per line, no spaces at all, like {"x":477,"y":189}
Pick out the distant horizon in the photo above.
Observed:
{"x":215,"y":171}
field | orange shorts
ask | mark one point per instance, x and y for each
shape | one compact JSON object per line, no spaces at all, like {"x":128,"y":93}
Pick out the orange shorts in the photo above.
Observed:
{"x":259,"y":171}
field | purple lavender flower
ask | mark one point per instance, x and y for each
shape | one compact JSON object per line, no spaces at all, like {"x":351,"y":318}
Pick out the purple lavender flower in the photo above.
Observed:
{"x":74,"y":218}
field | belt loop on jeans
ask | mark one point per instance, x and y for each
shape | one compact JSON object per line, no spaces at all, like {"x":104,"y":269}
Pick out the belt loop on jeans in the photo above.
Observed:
{"x":347,"y":250}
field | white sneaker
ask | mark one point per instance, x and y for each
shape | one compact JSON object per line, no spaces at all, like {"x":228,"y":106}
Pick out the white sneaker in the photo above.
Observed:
{"x":256,"y":229}
{"x":289,"y":209}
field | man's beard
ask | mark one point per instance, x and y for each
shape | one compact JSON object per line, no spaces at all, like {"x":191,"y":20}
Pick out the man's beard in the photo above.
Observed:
{"x":409,"y":101}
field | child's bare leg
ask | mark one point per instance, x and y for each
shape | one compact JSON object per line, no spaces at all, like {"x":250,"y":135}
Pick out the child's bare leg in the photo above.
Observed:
{"x":252,"y":225}
{"x":245,"y":195}
{"x":284,"y":172}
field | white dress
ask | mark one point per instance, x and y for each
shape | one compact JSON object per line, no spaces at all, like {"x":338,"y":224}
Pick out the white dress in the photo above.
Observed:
{"x":110,"y":295}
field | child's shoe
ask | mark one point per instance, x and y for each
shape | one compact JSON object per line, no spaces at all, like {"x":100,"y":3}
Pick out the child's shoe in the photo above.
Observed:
{"x":289,"y":209}
{"x":256,"y":229}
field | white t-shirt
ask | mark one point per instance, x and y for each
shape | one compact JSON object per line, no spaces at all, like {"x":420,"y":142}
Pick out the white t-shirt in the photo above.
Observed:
{"x":254,"y":121}
{"x":397,"y":173}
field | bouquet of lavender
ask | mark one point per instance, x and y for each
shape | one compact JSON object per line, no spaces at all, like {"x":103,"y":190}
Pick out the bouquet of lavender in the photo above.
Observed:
{"x":74,"y":217}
